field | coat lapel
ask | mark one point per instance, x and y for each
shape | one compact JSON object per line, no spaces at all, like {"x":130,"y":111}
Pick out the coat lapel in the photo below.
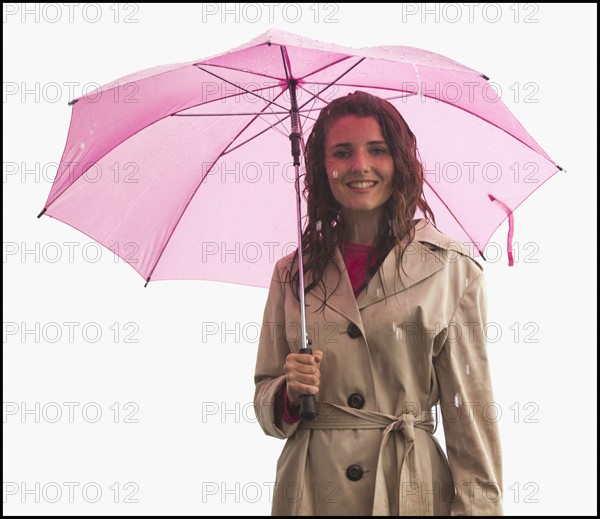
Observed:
{"x":419,"y":262}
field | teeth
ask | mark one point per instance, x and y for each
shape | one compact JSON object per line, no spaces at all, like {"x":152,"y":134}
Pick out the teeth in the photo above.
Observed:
{"x":362,"y":185}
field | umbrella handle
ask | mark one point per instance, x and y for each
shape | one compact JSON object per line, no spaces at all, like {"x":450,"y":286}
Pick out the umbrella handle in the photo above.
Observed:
{"x":308,"y":407}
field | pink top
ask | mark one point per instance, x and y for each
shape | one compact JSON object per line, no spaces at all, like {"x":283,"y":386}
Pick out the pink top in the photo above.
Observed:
{"x":355,"y":258}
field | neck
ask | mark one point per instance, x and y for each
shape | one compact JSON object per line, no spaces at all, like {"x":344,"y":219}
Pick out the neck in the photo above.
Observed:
{"x":362,"y":227}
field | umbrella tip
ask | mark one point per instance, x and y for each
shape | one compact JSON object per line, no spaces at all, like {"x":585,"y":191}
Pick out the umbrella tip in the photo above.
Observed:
{"x":485,"y":77}
{"x":147,"y":281}
{"x":43,"y":211}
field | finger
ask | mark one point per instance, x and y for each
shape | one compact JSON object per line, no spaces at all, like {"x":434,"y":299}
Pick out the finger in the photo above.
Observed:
{"x":304,"y":358}
{"x":309,"y":379}
{"x":303,"y":389}
{"x":305,"y":369}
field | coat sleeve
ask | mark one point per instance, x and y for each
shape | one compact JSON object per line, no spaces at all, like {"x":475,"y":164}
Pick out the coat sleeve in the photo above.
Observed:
{"x":269,"y":375}
{"x":468,"y":408}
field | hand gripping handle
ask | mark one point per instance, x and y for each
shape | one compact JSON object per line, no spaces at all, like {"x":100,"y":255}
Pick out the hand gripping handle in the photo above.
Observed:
{"x":308,"y":406}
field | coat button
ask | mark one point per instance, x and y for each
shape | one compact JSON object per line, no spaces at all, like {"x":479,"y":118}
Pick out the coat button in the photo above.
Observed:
{"x":353,"y":331}
{"x":356,"y":400}
{"x":354,"y":472}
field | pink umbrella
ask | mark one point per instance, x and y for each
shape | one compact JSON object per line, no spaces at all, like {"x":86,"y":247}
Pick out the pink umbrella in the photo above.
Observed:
{"x":185,"y":170}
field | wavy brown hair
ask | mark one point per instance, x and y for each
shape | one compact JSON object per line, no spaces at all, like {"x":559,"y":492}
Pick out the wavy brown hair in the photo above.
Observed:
{"x":319,"y":246}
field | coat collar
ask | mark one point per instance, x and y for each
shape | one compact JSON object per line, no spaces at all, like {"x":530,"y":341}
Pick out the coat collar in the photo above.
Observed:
{"x":420,"y":261}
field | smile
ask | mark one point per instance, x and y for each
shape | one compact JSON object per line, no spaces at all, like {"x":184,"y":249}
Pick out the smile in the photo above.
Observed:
{"x":362,"y":185}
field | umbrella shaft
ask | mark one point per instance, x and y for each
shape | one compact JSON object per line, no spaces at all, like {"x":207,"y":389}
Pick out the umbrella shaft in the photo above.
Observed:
{"x":300,"y":263}
{"x":295,"y":140}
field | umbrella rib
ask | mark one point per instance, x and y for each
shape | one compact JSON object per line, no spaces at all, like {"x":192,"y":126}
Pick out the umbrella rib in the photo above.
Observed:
{"x":441,"y":100}
{"x":373,"y":87}
{"x":315,"y":97}
{"x":286,"y":66}
{"x":250,"y":92}
{"x":454,"y":216}
{"x":218,"y":99}
{"x":241,"y":88}
{"x":257,"y":135}
{"x":269,"y":102}
{"x":261,"y":75}
{"x":334,"y":81}
{"x":154,"y":122}
{"x":328,"y":66}
{"x":263,"y":131}
{"x":404,"y":93}
{"x":237,"y":70}
{"x":224,"y":152}
{"x":454,"y":106}
{"x":273,"y":77}
{"x":244,"y":113}
{"x":260,"y":133}
{"x":306,"y":118}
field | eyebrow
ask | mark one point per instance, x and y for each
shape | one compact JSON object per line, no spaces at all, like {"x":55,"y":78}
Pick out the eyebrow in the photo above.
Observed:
{"x":350,"y":144}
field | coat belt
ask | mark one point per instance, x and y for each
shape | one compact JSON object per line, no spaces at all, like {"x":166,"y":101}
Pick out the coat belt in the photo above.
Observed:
{"x":333,"y":416}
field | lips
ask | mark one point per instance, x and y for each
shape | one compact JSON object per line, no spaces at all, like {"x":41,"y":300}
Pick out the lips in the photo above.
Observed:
{"x":362,"y":184}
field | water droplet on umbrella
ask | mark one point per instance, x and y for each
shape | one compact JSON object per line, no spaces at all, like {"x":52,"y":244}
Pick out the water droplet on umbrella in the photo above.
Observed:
{"x":82,"y":145}
{"x":457,"y":400}
{"x":467,"y":369}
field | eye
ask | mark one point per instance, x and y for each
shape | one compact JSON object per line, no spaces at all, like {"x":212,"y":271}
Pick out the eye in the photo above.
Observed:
{"x":379,"y":151}
{"x":341,"y":154}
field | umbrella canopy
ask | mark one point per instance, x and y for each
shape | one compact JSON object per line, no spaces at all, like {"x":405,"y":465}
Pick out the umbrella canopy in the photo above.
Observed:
{"x":185,"y":170}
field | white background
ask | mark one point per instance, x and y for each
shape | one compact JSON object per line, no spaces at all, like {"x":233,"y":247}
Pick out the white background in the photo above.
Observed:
{"x":185,"y":440}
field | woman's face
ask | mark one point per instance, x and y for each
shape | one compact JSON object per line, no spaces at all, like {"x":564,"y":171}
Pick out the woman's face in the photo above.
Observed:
{"x":355,"y":153}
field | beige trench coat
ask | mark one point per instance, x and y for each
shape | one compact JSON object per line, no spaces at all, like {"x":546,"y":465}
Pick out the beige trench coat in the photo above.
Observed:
{"x":386,"y":363}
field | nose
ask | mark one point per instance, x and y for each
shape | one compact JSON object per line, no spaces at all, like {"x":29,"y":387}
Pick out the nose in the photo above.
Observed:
{"x":361,"y":162}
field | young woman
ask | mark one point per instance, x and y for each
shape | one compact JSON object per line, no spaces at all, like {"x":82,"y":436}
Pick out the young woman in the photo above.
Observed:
{"x":396,"y":313}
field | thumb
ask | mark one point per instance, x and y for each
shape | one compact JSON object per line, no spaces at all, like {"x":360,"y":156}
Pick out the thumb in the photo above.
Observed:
{"x":318,"y":355}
